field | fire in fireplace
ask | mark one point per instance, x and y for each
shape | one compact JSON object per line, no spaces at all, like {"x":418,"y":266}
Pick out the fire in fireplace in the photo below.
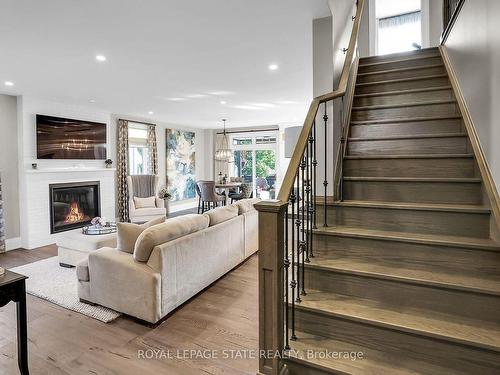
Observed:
{"x":73,"y":205}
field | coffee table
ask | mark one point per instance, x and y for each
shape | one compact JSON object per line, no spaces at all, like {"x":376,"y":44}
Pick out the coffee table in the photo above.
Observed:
{"x":75,"y":246}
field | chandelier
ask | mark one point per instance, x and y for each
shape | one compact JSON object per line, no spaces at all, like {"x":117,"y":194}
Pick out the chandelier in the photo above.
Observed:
{"x":224,"y":153}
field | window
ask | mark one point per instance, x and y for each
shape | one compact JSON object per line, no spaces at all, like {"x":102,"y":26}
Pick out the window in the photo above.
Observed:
{"x":399,"y":26}
{"x":256,"y":162}
{"x":242,"y":141}
{"x":138,"y":149}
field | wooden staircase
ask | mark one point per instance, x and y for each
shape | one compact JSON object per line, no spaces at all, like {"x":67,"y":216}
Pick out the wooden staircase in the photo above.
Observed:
{"x":407,"y":272}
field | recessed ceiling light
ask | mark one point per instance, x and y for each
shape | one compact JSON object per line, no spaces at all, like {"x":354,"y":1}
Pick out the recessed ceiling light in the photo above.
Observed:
{"x":100,"y":58}
{"x":151,"y":113}
{"x":273,"y":67}
{"x":177,"y":99}
{"x":223,"y":102}
{"x":92,"y":101}
{"x":9,"y":83}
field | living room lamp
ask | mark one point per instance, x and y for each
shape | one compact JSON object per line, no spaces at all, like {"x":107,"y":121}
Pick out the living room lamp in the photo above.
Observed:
{"x":224,"y":153}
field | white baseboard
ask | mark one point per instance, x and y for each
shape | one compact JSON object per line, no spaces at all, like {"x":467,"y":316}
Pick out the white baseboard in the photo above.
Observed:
{"x":12,"y":243}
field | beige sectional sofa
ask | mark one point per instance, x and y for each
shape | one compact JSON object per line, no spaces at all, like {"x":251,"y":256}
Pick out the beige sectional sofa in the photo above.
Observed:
{"x":171,"y":262}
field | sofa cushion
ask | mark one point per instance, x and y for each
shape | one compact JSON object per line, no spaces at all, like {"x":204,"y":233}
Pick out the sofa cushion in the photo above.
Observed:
{"x":168,"y":231}
{"x":149,"y":202}
{"x":246,"y":205}
{"x":220,"y":214}
{"x":82,"y":270}
{"x":129,"y":232}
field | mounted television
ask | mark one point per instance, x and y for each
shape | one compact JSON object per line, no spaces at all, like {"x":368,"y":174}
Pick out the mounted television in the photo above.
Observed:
{"x":63,"y":138}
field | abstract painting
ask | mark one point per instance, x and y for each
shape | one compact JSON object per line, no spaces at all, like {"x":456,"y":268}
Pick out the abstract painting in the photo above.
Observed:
{"x":181,"y":172}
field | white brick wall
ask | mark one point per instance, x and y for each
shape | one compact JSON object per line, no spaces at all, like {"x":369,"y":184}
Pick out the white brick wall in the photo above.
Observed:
{"x":37,"y":214}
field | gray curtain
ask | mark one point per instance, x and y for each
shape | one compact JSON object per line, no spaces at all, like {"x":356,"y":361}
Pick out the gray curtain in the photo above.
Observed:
{"x":122,"y":170}
{"x":153,"y":149}
{"x":2,"y":221}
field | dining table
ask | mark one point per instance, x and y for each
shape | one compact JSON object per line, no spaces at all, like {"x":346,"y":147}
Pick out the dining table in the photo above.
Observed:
{"x":227,"y":187}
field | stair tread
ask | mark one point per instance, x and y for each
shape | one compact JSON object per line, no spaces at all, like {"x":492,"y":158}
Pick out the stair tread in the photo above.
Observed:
{"x":403,"y":69}
{"x":403,"y":105}
{"x":422,"y":54}
{"x":470,"y":208}
{"x":410,"y":156}
{"x":372,"y":363}
{"x":414,"y":179}
{"x":430,"y":277}
{"x":485,"y":335}
{"x":433,"y":76}
{"x":413,"y":136}
{"x":427,"y":239}
{"x":402,"y":92}
{"x":406,"y":119}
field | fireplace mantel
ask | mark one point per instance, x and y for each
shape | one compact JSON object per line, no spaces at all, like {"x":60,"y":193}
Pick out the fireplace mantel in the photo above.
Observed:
{"x":62,"y":170}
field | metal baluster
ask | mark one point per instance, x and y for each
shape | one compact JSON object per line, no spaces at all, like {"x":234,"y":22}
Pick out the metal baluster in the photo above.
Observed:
{"x":310,"y":194}
{"x":293,"y":282}
{"x":287,"y":265}
{"x":325,"y":182}
{"x":315,"y":164}
{"x":308,"y":202}
{"x":297,"y":227}
{"x":303,"y":242}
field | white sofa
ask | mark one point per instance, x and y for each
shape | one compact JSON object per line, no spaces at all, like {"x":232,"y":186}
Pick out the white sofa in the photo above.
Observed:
{"x":171,"y":262}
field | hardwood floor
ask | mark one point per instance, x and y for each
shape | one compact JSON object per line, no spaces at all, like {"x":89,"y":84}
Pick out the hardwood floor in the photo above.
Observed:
{"x":219,"y":321}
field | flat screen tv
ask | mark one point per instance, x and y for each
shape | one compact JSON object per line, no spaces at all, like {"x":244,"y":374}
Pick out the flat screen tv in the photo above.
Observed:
{"x":63,"y":138}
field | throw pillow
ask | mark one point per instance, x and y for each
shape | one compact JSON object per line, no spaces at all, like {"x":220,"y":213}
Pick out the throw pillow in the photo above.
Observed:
{"x":127,"y":233}
{"x":149,"y":202}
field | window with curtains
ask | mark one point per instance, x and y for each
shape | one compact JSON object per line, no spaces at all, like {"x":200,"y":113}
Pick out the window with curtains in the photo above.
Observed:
{"x":399,"y":26}
{"x":139,"y":149}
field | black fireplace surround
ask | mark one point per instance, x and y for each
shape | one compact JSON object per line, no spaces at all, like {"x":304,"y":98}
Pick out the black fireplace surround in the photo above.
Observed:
{"x":73,"y":205}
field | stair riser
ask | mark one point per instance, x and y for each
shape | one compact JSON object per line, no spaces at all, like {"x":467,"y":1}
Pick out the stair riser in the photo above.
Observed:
{"x":451,"y":145}
{"x":411,"y":73}
{"x":409,"y":56}
{"x":405,"y":85}
{"x":413,"y":192}
{"x":400,"y":344}
{"x":405,"y":112}
{"x":402,"y":296}
{"x":444,"y":168}
{"x":416,"y":97}
{"x":415,"y":256}
{"x":411,"y":221}
{"x":401,"y":64}
{"x":406,"y":128}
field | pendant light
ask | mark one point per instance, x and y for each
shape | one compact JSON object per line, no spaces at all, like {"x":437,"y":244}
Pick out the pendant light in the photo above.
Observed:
{"x":224,"y":153}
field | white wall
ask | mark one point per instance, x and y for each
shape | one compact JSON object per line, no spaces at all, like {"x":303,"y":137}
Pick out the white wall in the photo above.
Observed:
{"x":474,"y":48}
{"x":9,"y":166}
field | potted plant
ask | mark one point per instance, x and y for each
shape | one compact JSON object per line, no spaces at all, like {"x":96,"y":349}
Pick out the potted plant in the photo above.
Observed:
{"x":108,"y":163}
{"x":166,"y":196}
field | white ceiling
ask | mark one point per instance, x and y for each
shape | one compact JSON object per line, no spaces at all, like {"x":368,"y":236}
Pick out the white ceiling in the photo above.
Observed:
{"x":201,"y":51}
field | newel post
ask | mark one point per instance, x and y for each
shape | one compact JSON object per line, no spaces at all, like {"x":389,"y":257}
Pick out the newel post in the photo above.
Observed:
{"x":271,"y":284}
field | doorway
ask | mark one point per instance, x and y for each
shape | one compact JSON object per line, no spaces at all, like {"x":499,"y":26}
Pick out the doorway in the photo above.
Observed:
{"x":398,"y":26}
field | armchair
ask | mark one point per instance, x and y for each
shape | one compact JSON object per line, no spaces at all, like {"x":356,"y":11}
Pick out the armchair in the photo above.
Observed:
{"x":144,"y":186}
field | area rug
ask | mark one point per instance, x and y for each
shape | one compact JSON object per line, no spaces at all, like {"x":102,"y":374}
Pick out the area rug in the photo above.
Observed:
{"x":56,"y":284}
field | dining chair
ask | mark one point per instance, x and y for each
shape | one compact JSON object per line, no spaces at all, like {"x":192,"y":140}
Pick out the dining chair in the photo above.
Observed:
{"x":245,"y":192}
{"x":209,"y":198}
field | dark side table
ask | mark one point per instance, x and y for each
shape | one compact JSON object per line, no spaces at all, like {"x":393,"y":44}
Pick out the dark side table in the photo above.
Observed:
{"x":13,"y":288}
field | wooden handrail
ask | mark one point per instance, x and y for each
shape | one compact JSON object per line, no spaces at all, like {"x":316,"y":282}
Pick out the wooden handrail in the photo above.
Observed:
{"x":287,"y":185}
